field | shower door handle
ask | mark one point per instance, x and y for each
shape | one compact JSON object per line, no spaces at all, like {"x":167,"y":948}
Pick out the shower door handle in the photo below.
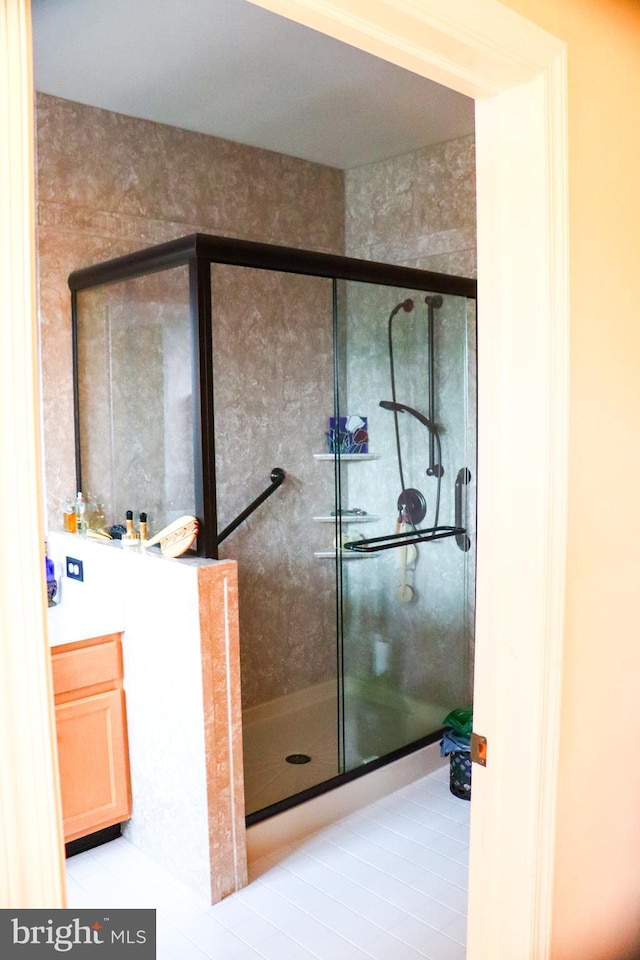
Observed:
{"x":277,"y":478}
{"x":463,"y":478}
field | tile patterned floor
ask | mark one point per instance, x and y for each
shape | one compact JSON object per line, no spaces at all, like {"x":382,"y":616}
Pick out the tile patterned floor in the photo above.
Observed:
{"x":386,"y":883}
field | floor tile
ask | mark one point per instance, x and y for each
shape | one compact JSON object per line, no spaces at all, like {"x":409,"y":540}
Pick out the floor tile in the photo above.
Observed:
{"x":414,"y":932}
{"x":192,"y":953}
{"x":456,"y":929}
{"x":335,"y":947}
{"x":386,"y":947}
{"x":454,"y":897}
{"x":440,"y":947}
{"x":214,"y":939}
{"x":170,"y":943}
{"x":280,"y":946}
{"x":386,"y":883}
{"x":83,"y":865}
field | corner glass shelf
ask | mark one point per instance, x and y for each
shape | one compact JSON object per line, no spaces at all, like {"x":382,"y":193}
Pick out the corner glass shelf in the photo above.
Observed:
{"x":347,"y":518}
{"x":346,"y":456}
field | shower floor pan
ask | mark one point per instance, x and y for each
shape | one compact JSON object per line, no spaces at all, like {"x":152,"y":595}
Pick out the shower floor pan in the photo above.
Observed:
{"x":377,"y":721}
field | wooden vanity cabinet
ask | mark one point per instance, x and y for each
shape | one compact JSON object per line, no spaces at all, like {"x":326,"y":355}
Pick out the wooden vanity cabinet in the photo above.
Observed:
{"x":92,"y":735}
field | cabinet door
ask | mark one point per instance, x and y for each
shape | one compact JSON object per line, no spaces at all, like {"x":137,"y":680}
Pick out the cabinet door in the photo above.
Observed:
{"x":94,"y":772}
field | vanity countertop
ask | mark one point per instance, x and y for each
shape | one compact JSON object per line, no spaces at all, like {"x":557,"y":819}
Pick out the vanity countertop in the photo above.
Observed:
{"x":95,"y":605}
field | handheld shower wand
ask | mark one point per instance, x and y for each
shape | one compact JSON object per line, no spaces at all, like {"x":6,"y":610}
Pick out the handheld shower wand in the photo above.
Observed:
{"x":406,"y":305}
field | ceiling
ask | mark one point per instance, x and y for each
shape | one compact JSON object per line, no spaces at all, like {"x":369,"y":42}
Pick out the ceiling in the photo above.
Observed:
{"x":233,"y":70}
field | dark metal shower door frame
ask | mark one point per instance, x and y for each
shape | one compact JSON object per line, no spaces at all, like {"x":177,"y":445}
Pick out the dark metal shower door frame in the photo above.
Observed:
{"x":199,"y":251}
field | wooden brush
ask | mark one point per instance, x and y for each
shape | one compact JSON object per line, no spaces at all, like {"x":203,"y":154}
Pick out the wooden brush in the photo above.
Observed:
{"x":175,"y":538}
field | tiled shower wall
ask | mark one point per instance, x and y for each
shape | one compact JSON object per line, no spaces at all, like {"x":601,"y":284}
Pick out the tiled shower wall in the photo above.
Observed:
{"x":418,"y":211}
{"x":108,"y":184}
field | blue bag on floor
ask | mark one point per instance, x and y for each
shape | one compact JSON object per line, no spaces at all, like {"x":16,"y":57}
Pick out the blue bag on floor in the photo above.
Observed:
{"x":452,"y":742}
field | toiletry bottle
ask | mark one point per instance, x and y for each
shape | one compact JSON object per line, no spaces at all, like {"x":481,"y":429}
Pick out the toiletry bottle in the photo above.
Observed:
{"x":81,"y":515}
{"x":69,"y":516}
{"x":143,"y":527}
{"x":130,"y":538}
{"x":99,"y":520}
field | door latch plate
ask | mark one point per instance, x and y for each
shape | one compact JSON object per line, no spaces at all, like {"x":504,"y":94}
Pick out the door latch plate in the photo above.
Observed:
{"x":478,"y":749}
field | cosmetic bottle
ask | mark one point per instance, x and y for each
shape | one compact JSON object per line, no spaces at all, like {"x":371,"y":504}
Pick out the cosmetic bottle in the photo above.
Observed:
{"x":130,"y":538}
{"x":81,"y":515}
{"x":143,"y":527}
{"x":69,"y":516}
{"x":98,"y":519}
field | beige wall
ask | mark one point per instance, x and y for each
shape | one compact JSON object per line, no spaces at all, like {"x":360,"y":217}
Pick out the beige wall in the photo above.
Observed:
{"x":597,"y":889}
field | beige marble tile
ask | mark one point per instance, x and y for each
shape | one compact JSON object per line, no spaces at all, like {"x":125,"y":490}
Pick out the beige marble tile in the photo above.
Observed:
{"x":417,"y":211}
{"x":108,"y":184}
{"x":219,"y":634}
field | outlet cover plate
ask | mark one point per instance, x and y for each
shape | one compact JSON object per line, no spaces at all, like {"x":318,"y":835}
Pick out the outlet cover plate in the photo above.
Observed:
{"x":75,"y":569}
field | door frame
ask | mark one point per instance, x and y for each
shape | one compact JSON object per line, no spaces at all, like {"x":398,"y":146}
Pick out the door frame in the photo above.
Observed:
{"x":517,"y":74}
{"x":31,"y":838}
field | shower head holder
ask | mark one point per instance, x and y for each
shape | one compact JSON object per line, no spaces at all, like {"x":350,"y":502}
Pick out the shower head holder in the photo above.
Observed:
{"x":412,"y":506}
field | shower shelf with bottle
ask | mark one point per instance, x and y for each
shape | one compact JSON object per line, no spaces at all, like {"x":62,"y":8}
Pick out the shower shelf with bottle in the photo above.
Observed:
{"x":346,"y":516}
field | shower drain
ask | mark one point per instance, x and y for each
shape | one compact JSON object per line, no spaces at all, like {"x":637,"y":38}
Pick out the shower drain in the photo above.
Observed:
{"x":298,"y":758}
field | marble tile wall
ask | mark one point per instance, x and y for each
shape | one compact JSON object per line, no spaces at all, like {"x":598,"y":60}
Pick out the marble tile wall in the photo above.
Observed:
{"x":417,"y":210}
{"x":135,"y":356}
{"x":273,"y":391}
{"x":220,"y":649}
{"x":108,"y":184}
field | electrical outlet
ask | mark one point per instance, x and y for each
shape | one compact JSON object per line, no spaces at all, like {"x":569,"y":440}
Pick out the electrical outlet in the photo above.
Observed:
{"x":75,"y":569}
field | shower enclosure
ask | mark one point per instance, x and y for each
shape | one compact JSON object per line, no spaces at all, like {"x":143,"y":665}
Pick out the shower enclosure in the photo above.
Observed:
{"x":317,"y":414}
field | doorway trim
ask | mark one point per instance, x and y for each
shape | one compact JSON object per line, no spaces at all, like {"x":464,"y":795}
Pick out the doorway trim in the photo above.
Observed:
{"x":31,"y":841}
{"x":517,"y":74}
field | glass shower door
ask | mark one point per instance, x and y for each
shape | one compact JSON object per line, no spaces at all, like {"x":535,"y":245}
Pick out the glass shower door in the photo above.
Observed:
{"x":273,"y":388}
{"x":406,"y":366}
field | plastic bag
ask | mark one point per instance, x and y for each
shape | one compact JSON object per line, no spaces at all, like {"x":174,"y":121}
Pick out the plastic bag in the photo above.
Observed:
{"x":460,"y":722}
